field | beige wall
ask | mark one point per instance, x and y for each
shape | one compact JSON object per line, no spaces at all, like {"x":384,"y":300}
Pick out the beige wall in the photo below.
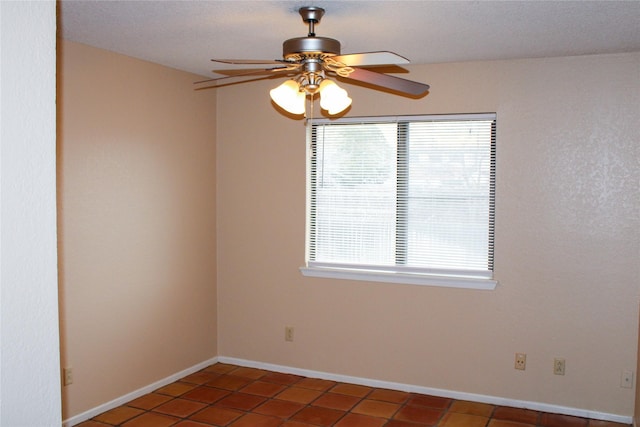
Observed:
{"x":567,"y":241}
{"x":137,"y":181}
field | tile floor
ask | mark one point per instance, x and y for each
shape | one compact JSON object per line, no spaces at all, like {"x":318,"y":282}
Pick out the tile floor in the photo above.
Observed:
{"x":234,"y":396}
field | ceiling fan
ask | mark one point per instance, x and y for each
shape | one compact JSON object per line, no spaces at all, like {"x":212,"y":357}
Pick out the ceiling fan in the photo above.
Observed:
{"x":311,"y":60}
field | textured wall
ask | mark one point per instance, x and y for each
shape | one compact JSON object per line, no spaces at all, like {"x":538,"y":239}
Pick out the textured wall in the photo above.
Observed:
{"x":29,"y":343}
{"x":566,"y":252}
{"x":137,"y":224}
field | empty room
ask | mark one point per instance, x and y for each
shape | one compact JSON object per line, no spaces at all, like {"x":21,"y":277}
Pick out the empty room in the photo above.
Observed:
{"x":439,"y":225}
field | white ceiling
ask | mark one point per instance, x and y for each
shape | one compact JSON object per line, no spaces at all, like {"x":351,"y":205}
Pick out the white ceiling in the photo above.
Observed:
{"x":186,"y":34}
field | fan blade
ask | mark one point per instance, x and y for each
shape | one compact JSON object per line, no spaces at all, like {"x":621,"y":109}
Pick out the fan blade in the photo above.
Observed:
{"x":250,"y":61}
{"x":370,"y":58}
{"x":390,"y":82}
{"x":214,"y":82}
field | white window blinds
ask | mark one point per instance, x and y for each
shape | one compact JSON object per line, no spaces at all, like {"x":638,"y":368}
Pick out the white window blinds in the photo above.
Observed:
{"x":411,"y":195}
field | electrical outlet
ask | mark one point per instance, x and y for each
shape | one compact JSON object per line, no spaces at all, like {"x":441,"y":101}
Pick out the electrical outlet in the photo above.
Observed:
{"x":67,"y":374}
{"x":521,"y":361}
{"x":626,"y":379}
{"x":288,"y":333}
{"x":558,"y":366}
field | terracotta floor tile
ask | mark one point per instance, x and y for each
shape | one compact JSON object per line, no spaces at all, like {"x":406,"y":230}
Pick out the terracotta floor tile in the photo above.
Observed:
{"x":557,"y":420}
{"x":392,"y":396}
{"x":318,"y":416}
{"x":206,"y":394}
{"x":200,"y":377}
{"x":280,"y":378}
{"x":399,"y":423}
{"x":419,"y":414}
{"x":473,"y":408}
{"x":297,"y":394}
{"x":92,"y":423}
{"x":252,"y":373}
{"x":149,"y":419}
{"x":505,"y":423}
{"x":376,"y":408}
{"x":341,"y":402}
{"x":216,"y":415}
{"x":256,"y":420}
{"x":149,"y":401}
{"x":357,"y":420}
{"x":315,"y":384}
{"x":452,"y":419}
{"x":430,"y":401}
{"x":229,"y":382}
{"x":296,"y":424}
{"x":279,"y":408}
{"x":520,"y":415}
{"x":181,"y":408}
{"x":220,"y":368}
{"x":351,"y":389}
{"x":235,"y":396}
{"x":188,"y":423}
{"x":263,"y":388}
{"x":242,"y":401}
{"x":118,"y":415}
{"x":176,"y":389}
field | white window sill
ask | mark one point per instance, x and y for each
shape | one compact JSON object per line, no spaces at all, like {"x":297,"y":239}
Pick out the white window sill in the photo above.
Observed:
{"x":405,"y":278}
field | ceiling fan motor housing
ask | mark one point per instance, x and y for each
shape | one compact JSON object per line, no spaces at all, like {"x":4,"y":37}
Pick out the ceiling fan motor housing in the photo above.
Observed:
{"x":314,"y":47}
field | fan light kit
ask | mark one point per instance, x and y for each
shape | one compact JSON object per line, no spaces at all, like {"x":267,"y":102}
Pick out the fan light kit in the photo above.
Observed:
{"x":311,"y":60}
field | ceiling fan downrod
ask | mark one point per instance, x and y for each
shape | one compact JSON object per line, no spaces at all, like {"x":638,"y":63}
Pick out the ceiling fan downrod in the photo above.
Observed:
{"x":311,"y":15}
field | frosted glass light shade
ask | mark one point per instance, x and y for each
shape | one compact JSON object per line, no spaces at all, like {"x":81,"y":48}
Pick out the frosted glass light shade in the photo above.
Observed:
{"x":333,"y":98}
{"x":289,"y":97}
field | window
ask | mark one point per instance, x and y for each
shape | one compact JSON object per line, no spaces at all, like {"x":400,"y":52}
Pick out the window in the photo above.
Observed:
{"x":404,"y":199}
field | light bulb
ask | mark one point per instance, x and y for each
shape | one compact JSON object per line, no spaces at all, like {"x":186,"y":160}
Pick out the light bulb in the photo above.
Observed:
{"x":289,"y":97}
{"x":333,"y":98}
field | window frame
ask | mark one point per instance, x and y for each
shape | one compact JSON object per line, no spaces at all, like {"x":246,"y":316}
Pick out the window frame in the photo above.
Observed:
{"x":398,"y":273}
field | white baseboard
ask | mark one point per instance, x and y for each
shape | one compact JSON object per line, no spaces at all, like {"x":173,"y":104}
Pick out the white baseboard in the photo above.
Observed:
{"x":77,"y":419}
{"x":494,"y":400}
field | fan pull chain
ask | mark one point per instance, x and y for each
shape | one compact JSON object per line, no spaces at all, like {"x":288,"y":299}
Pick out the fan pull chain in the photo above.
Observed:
{"x":310,"y":101}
